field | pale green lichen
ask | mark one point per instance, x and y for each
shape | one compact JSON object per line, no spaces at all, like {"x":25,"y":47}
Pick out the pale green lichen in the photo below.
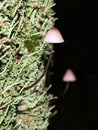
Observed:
{"x":23,"y":23}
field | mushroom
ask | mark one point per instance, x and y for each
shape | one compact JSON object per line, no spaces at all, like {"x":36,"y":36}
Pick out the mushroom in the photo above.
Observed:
{"x":53,"y":36}
{"x":68,"y":77}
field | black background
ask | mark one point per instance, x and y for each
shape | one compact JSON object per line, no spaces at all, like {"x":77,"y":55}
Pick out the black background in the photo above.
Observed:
{"x":78,"y":23}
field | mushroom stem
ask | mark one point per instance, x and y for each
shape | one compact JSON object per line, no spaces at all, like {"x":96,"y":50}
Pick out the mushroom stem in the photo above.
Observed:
{"x":66,"y":87}
{"x":45,"y":70}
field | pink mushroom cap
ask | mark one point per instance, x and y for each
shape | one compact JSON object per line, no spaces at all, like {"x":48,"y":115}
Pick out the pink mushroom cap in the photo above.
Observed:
{"x":69,"y":76}
{"x":53,"y":36}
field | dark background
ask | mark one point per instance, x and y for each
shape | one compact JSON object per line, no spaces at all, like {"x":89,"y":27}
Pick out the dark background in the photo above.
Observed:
{"x":78,"y":23}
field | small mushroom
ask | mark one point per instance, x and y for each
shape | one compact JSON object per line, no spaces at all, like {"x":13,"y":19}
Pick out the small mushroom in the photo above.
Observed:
{"x":68,"y":77}
{"x":53,"y":36}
